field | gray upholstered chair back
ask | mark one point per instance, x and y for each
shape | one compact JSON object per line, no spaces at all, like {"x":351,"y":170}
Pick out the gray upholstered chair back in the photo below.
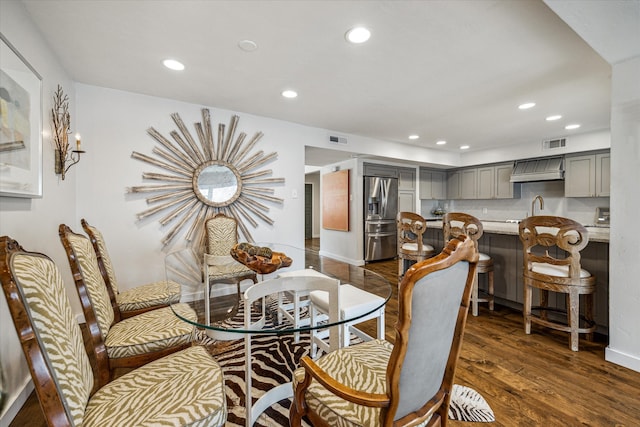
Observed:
{"x":433,"y":301}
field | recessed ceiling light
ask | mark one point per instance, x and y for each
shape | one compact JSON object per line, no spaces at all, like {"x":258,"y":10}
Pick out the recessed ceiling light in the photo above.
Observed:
{"x":573,"y":126}
{"x":464,"y":147}
{"x":289,"y":93}
{"x":172,"y":64}
{"x":527,"y":105}
{"x":247,"y":45}
{"x":414,"y":136}
{"x":441,"y":142}
{"x":552,"y":118}
{"x":357,"y":35}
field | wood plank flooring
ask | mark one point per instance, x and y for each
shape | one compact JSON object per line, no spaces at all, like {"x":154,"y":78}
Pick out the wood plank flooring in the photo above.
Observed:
{"x":529,"y":380}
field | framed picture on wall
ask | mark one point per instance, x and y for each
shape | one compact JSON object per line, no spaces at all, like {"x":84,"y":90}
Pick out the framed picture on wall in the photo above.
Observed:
{"x":20,"y":125}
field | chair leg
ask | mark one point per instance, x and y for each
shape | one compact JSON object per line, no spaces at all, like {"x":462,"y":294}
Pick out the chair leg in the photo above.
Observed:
{"x":527,"y":308}
{"x":573,"y":312}
{"x":400,"y":269}
{"x":314,"y":332}
{"x":381,"y":331}
{"x":474,"y":296}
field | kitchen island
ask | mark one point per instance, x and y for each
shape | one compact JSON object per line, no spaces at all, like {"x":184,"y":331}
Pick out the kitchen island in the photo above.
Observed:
{"x":501,"y":241}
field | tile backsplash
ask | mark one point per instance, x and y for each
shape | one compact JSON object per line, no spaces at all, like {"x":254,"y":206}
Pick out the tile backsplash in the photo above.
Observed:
{"x":581,"y":209}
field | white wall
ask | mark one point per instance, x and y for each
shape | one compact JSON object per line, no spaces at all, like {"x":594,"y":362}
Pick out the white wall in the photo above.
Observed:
{"x":34,"y":222}
{"x":624,"y":267}
{"x":114,"y":124}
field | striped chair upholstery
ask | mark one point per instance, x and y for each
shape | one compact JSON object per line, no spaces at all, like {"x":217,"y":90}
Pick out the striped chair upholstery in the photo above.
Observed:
{"x":221,"y":236}
{"x":137,"y":299}
{"x":409,"y":383}
{"x":129,"y":342}
{"x":69,"y":395}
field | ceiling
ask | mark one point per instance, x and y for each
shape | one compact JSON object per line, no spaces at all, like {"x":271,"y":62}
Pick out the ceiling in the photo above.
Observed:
{"x":453,"y":70}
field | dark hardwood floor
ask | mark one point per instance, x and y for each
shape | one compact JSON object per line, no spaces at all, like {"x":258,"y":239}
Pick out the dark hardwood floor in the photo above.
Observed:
{"x":529,"y":380}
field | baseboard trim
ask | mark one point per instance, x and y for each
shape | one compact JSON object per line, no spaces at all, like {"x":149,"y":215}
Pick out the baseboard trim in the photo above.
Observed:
{"x":622,"y":359}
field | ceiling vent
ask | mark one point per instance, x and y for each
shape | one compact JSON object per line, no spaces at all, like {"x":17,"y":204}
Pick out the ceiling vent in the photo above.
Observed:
{"x":545,"y":169}
{"x":552,"y":144}
{"x":337,"y":139}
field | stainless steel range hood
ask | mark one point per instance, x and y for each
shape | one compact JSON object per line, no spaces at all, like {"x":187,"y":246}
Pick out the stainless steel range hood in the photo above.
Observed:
{"x":544,"y":169}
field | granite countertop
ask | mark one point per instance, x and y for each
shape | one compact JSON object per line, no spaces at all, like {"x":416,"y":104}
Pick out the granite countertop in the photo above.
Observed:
{"x":596,"y":234}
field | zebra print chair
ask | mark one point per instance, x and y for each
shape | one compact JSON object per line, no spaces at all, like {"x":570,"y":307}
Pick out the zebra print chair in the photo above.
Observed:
{"x":127,"y":342}
{"x":221,"y":236}
{"x":138,"y":299}
{"x":185,"y":388}
{"x":409,"y":383}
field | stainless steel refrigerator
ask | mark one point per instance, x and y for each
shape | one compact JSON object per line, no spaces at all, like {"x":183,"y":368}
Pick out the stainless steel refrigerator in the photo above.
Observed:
{"x":380,"y":207}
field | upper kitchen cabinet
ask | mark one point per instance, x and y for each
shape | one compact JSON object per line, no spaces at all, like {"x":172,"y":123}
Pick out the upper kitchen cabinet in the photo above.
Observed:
{"x":494,"y":182}
{"x":406,"y":179}
{"x":433,"y":184}
{"x":406,"y":190}
{"x":587,"y":175}
{"x":453,"y":185}
{"x":374,"y":169}
{"x":469,"y":183}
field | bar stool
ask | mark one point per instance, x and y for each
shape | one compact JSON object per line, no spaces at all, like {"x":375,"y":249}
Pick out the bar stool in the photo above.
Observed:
{"x":552,"y":248}
{"x":411,"y":227}
{"x":457,"y":223}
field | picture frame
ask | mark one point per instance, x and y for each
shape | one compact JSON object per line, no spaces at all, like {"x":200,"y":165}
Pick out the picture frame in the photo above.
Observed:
{"x":20,"y":125}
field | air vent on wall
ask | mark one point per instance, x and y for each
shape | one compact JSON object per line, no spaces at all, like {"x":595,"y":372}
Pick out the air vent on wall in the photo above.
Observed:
{"x":337,"y":139}
{"x":551,"y":144}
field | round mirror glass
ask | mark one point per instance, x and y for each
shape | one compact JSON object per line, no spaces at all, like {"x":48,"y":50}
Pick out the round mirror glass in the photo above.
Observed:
{"x":217,"y":183}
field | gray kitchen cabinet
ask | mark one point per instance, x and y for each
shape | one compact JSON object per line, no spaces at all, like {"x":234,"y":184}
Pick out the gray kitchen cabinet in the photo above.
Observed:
{"x":469,"y":183}
{"x":406,"y":190}
{"x":587,"y":175}
{"x":374,"y":169}
{"x":432,"y":184}
{"x":453,"y":185}
{"x":406,"y":201}
{"x":486,"y":182}
{"x":406,"y":179}
{"x":494,"y":182}
{"x":504,"y":188}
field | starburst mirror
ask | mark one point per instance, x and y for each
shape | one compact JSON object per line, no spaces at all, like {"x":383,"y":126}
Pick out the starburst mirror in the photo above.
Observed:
{"x":206,"y":177}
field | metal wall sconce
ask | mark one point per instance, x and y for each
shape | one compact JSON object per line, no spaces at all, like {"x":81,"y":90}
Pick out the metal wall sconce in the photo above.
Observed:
{"x":61,"y":121}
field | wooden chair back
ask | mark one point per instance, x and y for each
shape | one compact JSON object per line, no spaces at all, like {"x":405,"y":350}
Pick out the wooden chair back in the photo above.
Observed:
{"x":97,"y":306}
{"x":411,"y":227}
{"x":553,"y":240}
{"x":433,"y":302}
{"x":49,"y":333}
{"x":455,"y":224}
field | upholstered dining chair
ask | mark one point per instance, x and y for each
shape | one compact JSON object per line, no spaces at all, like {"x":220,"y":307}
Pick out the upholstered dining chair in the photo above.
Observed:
{"x":457,"y":223}
{"x":411,"y":247}
{"x":551,"y":247}
{"x":220,"y":266}
{"x":185,"y":388}
{"x":129,"y":342}
{"x":138,"y":299}
{"x":406,"y":383}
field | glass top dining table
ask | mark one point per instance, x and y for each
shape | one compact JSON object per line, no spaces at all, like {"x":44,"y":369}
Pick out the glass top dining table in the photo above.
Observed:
{"x":219,"y":308}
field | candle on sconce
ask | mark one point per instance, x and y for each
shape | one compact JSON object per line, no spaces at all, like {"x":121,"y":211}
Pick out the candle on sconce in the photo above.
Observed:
{"x":78,"y":142}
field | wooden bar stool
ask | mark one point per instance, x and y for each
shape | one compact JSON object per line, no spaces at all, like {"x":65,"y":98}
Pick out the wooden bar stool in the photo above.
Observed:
{"x":552,"y":248}
{"x":411,"y":227}
{"x":457,"y":223}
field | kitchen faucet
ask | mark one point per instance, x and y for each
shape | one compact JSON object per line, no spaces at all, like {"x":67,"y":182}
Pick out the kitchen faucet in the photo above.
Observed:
{"x":533,"y":204}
